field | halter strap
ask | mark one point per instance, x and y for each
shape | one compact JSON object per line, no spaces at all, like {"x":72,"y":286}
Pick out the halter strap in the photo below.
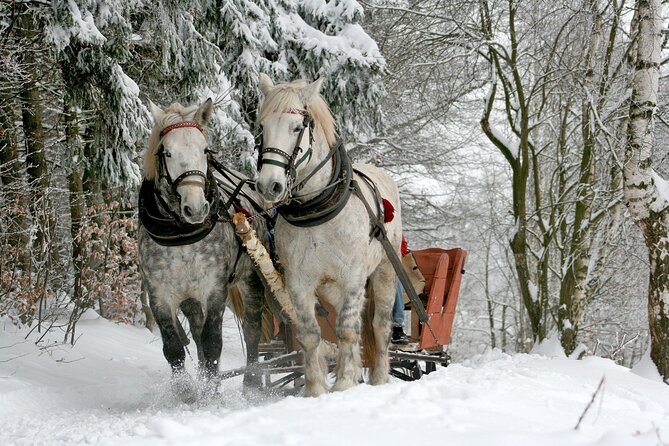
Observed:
{"x":161,"y":155}
{"x":180,"y":125}
{"x":292,"y":161}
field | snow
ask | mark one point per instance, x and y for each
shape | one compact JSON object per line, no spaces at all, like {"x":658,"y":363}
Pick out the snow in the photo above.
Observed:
{"x":351,"y":42}
{"x":534,"y":291}
{"x":511,"y":146}
{"x":662,"y":187}
{"x":112,"y":388}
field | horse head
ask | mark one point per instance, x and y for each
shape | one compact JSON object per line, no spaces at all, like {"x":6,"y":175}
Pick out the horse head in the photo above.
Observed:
{"x":177,"y":159}
{"x":292,"y":116}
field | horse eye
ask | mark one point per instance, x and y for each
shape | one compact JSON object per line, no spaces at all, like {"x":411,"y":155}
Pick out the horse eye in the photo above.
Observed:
{"x":167,"y":154}
{"x":298,"y":129}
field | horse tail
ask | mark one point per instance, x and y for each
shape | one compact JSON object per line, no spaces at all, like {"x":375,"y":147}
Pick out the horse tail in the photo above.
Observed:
{"x":235,"y":302}
{"x":369,"y":351}
{"x":266,"y":325}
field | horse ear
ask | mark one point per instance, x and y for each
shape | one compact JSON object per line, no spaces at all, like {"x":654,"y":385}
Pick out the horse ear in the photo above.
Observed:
{"x":265,"y":83}
{"x":204,"y":112}
{"x":312,"y":90}
{"x":156,"y":111}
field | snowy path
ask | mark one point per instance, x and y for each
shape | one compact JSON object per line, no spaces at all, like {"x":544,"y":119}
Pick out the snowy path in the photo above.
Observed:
{"x":111,"y":389}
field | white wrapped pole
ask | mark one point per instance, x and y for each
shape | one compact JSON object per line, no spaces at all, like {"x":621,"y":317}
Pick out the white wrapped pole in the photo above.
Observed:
{"x":263,"y":261}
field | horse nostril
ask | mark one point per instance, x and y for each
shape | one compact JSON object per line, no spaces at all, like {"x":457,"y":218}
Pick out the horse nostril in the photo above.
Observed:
{"x":205,"y":209}
{"x":188,"y":212}
{"x":277,"y":188}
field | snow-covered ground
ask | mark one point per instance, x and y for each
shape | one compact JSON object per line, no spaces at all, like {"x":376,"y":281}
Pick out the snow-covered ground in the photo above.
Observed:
{"x":112,"y":388}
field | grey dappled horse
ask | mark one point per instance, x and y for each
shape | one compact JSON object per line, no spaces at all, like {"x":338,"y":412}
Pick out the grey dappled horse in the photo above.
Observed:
{"x":324,"y":231}
{"x":189,"y":253}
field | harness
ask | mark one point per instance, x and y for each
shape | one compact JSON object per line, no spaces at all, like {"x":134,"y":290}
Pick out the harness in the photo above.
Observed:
{"x":168,"y":228}
{"x":332,"y":199}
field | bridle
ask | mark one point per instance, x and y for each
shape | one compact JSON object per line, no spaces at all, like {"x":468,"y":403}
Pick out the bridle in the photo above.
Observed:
{"x":292,"y":162}
{"x":161,"y":154}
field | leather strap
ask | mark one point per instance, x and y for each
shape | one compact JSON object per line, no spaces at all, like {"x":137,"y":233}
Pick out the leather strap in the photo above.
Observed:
{"x":180,"y":125}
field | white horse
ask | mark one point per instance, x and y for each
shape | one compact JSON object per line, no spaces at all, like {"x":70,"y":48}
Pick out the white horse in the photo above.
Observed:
{"x":323,"y":232}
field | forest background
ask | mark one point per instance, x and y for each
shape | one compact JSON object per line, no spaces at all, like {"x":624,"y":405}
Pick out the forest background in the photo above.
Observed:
{"x":519,"y":130}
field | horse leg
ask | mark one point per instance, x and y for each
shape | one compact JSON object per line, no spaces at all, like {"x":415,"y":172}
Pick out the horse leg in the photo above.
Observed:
{"x":173,"y":350}
{"x":193,"y":311}
{"x":212,"y":334}
{"x":252,"y":292}
{"x":348,"y":336}
{"x":308,"y":334}
{"x":383,"y":284}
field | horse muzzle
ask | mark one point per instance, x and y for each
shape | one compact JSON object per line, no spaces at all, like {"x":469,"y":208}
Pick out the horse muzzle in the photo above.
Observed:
{"x":195,"y":216}
{"x":271,"y":191}
{"x":194,"y":205}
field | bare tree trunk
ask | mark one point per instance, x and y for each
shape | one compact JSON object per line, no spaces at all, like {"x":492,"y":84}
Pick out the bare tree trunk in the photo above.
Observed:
{"x":36,"y":165}
{"x":10,"y":175}
{"x":573,"y":295}
{"x":77,"y":199}
{"x":534,"y":302}
{"x":486,"y":287}
{"x":648,"y":207}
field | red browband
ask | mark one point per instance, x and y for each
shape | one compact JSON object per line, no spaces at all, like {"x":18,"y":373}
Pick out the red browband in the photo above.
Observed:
{"x":180,"y":125}
{"x":297,"y":111}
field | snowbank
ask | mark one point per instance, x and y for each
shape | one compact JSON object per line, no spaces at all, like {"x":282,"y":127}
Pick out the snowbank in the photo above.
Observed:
{"x":111,"y":388}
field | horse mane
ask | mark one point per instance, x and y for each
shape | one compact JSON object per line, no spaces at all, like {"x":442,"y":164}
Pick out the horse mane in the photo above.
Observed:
{"x":172,"y":114}
{"x":283,"y":97}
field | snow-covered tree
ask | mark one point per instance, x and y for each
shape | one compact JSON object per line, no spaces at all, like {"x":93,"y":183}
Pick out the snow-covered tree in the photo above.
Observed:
{"x":646,"y":192}
{"x":79,"y":74}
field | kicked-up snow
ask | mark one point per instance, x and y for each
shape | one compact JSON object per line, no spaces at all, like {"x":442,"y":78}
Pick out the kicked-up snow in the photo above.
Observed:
{"x":112,"y":388}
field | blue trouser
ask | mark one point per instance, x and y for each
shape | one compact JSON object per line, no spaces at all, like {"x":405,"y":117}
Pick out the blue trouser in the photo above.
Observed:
{"x":398,"y":307}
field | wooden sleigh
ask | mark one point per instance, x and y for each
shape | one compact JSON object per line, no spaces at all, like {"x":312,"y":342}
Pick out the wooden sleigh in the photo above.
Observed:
{"x":442,"y":271}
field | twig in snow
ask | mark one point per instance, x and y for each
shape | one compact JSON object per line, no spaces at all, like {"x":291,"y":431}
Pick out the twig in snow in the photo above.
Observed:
{"x":13,"y":358}
{"x":592,"y":400}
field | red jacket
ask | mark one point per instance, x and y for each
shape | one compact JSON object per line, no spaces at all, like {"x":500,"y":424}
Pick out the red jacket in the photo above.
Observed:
{"x":404,"y":249}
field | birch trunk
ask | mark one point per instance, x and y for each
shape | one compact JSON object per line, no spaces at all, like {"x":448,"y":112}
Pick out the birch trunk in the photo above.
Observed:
{"x":647,"y":206}
{"x":573,"y":293}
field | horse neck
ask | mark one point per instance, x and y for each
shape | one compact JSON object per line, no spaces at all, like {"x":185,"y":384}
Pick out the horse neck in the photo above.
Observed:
{"x":321,"y":178}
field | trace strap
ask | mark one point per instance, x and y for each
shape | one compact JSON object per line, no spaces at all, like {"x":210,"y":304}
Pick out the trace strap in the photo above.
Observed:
{"x":379,"y":231}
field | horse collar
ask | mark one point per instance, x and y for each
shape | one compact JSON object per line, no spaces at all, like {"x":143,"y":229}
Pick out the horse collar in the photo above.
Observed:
{"x":165,"y":226}
{"x":329,"y":203}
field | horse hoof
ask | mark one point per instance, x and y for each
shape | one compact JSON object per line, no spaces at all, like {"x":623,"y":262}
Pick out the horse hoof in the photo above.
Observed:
{"x":252,"y":381}
{"x":314,"y":391}
{"x":342,"y":385}
{"x":377,"y":380}
{"x":209,"y":386}
{"x":184,"y":387}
